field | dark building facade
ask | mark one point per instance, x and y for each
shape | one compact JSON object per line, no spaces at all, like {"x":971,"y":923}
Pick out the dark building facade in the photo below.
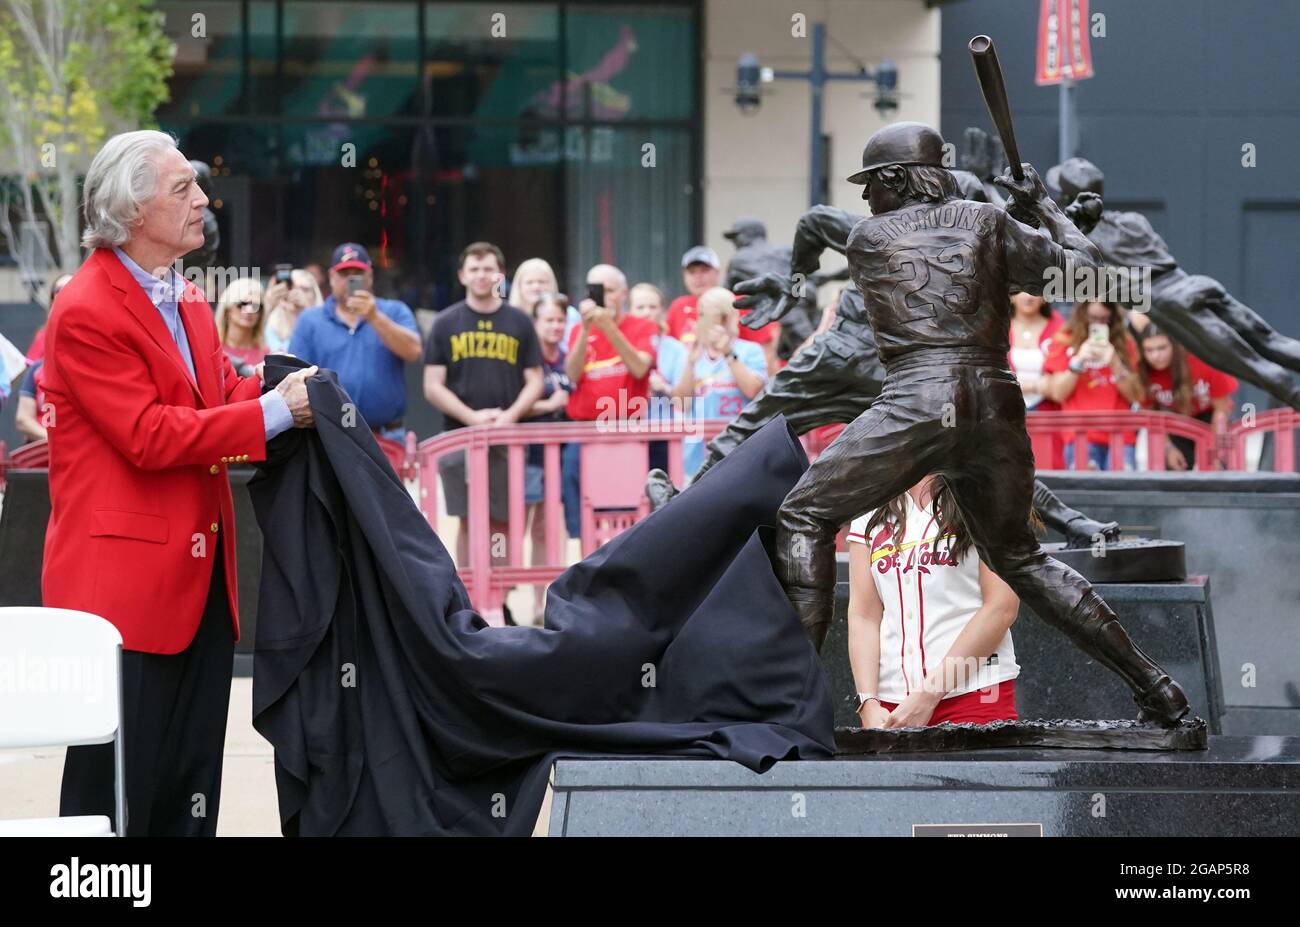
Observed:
{"x":1181,"y":87}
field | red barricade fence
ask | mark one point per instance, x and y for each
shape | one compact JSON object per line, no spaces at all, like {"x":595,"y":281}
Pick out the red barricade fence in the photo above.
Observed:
{"x":615,"y":456}
{"x":614,"y":461}
{"x":1044,"y":427}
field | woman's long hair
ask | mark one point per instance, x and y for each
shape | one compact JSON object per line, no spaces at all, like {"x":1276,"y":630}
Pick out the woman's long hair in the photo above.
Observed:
{"x":1180,"y":373}
{"x":1077,"y":330}
{"x":946,"y":515}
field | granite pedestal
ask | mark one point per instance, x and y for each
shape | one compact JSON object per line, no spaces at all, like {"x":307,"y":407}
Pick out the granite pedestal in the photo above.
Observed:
{"x":1243,"y":530}
{"x":1240,"y":786}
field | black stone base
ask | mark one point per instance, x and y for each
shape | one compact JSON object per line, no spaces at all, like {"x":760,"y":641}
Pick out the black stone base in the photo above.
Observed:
{"x":1061,"y":734}
{"x":1240,"y":529}
{"x":1238,"y":786}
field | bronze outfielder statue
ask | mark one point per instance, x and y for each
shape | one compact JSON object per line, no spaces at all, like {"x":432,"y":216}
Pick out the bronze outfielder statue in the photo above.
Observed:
{"x":1194,"y":309}
{"x":935,"y":272}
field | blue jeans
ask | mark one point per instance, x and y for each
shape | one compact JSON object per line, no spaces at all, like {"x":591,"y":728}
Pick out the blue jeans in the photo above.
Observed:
{"x":1099,"y":456}
{"x":571,"y":478}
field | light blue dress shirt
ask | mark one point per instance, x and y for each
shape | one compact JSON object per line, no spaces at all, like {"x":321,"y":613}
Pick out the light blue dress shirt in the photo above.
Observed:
{"x":165,"y":295}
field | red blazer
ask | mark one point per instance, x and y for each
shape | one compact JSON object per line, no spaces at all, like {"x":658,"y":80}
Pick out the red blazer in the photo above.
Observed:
{"x":138,"y":458}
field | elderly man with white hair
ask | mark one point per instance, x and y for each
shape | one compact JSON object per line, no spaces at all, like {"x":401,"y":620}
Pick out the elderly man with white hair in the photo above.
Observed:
{"x":147,"y":413}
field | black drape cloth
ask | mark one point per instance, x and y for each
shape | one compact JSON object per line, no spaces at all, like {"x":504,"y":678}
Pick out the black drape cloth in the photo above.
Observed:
{"x":394,"y":709}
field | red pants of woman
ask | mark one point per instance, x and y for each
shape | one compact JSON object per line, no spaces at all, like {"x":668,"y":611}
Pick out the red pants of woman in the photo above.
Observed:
{"x":996,"y":703}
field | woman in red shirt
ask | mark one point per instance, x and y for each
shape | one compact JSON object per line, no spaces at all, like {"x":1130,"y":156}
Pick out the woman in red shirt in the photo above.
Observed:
{"x":1091,"y":365}
{"x":1174,"y":380}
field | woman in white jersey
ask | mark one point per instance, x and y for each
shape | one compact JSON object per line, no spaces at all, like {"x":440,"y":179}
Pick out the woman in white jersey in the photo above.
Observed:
{"x":929,"y":624}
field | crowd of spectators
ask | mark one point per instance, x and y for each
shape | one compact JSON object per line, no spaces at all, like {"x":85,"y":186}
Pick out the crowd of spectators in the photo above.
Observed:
{"x":518,"y":349}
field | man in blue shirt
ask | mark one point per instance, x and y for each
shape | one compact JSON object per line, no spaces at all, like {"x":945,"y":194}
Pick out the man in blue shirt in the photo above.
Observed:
{"x":364,"y":340}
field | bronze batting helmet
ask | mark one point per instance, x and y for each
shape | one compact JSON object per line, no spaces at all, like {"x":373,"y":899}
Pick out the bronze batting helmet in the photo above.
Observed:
{"x":900,"y":143}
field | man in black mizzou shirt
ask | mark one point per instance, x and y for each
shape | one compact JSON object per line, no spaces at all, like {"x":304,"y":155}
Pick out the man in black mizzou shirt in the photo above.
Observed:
{"x":483,"y":366}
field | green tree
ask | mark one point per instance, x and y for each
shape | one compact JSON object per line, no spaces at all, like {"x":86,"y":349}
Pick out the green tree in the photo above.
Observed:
{"x":72,"y":72}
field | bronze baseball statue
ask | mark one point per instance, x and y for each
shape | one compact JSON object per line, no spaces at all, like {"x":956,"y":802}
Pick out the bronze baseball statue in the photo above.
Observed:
{"x":935,"y":272}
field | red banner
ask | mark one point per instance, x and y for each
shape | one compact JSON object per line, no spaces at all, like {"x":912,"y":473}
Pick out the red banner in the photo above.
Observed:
{"x":1063,"y":50}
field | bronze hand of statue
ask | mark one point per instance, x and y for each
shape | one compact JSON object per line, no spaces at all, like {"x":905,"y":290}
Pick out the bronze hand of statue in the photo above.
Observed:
{"x":1026,"y":194}
{"x":1085,"y":211}
{"x":769,"y":296}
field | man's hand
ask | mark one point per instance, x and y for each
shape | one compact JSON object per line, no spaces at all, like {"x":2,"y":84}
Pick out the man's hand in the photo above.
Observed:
{"x":594,"y":314}
{"x":597,"y":316}
{"x":769,"y":296}
{"x":485,"y":417}
{"x":1174,"y":459}
{"x":294,"y":390}
{"x":363,"y":304}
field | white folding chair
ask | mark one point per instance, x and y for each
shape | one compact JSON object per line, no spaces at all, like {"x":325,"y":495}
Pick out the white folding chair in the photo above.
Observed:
{"x":61,"y":685}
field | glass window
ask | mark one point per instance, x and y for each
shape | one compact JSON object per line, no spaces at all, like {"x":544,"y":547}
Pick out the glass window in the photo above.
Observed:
{"x":631,"y":201}
{"x":627,"y":62}
{"x":347,"y":182}
{"x":346,"y":60}
{"x":492,"y":60}
{"x":207,"y":67}
{"x":492,"y":158}
{"x":500,"y":183}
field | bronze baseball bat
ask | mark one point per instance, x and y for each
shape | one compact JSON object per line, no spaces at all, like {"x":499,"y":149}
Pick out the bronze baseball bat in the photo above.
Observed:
{"x":989,"y":72}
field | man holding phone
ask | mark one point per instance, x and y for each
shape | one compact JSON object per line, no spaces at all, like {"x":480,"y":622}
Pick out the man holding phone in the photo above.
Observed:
{"x":610,"y":353}
{"x":610,"y":356}
{"x":365,"y":340}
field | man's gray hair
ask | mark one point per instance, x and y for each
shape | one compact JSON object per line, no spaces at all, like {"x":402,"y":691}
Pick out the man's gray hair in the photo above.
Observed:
{"x":122,"y":176}
{"x":602,"y":273}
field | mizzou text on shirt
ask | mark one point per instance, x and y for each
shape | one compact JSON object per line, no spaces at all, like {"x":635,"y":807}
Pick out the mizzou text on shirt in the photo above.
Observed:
{"x":928,"y":600}
{"x":485,"y":353}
